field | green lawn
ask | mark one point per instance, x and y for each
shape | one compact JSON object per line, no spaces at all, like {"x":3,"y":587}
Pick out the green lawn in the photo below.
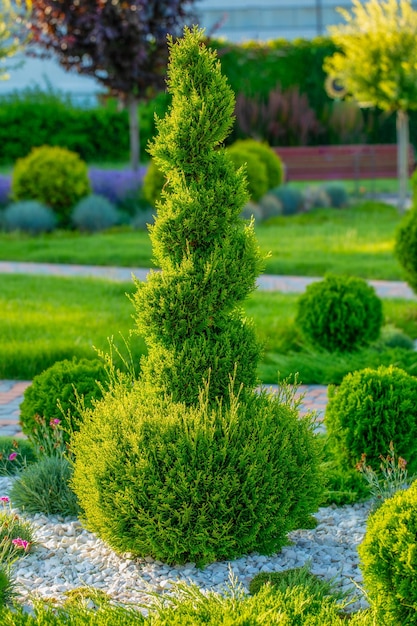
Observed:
{"x":45,"y":319}
{"x":357,"y":240}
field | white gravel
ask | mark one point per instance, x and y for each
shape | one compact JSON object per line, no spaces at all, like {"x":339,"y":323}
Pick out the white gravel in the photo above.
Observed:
{"x":67,"y":556}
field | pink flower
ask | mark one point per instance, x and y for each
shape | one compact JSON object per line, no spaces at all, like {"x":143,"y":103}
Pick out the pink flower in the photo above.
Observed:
{"x":21,"y":543}
{"x":4,"y":499}
{"x":54,"y":422}
{"x":12,"y":456}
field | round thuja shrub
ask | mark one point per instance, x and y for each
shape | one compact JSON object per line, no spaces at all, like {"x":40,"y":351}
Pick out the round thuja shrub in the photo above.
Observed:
{"x":406,"y":246}
{"x":371,"y":408}
{"x":53,"y":395}
{"x":199,"y":483}
{"x":94,"y":213}
{"x":255,"y":170}
{"x":340,"y":313}
{"x":55,"y":176}
{"x":153,"y":183}
{"x":271,"y":160}
{"x":388,"y":559}
{"x":28,"y":216}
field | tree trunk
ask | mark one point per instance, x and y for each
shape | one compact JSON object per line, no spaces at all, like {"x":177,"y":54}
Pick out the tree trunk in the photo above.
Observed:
{"x":403,"y":144}
{"x":133,"y":106}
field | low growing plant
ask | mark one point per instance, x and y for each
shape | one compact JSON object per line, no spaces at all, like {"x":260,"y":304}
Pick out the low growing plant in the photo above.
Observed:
{"x":392,"y":478}
{"x":16,"y":535}
{"x":15,"y":454}
{"x":28,"y":216}
{"x":340,"y":313}
{"x":94,"y":213}
{"x":43,"y":487}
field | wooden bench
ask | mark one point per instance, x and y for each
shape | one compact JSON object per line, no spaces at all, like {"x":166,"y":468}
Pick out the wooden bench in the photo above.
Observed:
{"x":352,"y":162}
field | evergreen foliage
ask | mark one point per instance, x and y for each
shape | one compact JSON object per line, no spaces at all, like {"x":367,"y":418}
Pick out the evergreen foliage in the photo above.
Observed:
{"x":191,"y":463}
{"x":340,"y":313}
{"x":190,"y":313}
{"x":28,"y":216}
{"x":53,"y":394}
{"x":406,"y":246}
{"x":55,"y":176}
{"x":388,"y":559}
{"x":256,"y":173}
{"x":370,"y":409}
{"x":94,"y":213}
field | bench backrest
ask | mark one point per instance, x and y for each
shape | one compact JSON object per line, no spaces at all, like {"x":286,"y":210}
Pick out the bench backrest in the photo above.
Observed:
{"x":350,"y":162}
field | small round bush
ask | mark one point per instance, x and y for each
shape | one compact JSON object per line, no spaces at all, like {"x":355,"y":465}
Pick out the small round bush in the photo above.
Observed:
{"x":388,"y":559}
{"x":271,"y":160}
{"x":28,"y":216}
{"x":153,"y":183}
{"x":43,"y":487}
{"x":371,"y":408}
{"x":315,"y":198}
{"x":197,"y":484}
{"x":340,"y":313}
{"x":270,"y":206}
{"x":57,"y":384}
{"x":252,"y":209}
{"x":256,"y":172}
{"x":94,"y":213}
{"x":406,"y":246}
{"x":337,"y":194}
{"x":55,"y":176}
{"x":291,"y":199}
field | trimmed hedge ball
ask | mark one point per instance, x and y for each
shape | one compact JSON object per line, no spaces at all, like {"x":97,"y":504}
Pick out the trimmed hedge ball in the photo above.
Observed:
{"x":340,"y":313}
{"x":388,"y":559}
{"x":371,"y":408}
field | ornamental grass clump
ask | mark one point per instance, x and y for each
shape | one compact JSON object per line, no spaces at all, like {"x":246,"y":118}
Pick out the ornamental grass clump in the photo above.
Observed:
{"x":190,"y":463}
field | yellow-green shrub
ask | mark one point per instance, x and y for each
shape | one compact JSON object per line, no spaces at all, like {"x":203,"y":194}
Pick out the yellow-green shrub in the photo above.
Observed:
{"x":55,"y":176}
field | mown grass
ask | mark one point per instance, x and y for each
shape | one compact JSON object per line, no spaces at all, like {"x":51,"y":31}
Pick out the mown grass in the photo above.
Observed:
{"x":45,"y":319}
{"x":357,"y":240}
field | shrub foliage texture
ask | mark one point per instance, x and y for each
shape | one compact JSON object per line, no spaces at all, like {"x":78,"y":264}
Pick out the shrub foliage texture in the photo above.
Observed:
{"x":371,"y":408}
{"x":192,"y":464}
{"x":388,"y":559}
{"x":340,"y":313}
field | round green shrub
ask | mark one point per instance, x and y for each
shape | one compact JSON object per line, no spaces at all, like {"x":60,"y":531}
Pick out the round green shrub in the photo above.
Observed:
{"x":270,"y":206}
{"x":61,"y":383}
{"x":388,"y":559}
{"x":337,"y":194}
{"x":55,"y":176}
{"x":406,"y":246}
{"x":43,"y":487}
{"x":268,"y":156}
{"x":153,"y":183}
{"x":291,"y":199}
{"x":195,"y":483}
{"x":371,"y":408}
{"x":340,"y":313}
{"x":94,"y":213}
{"x":255,"y":170}
{"x":28,"y":216}
{"x":251,"y":209}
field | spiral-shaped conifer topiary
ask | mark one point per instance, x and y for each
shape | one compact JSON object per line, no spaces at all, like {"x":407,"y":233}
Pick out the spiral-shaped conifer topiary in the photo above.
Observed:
{"x":191,"y":463}
{"x":189,"y":314}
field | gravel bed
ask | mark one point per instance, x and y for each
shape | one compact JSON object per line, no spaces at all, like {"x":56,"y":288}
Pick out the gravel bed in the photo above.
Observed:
{"x":67,"y":556}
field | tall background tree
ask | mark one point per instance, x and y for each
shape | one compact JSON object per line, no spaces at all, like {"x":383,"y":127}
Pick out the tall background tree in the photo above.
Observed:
{"x":13,"y":32}
{"x":377,"y":65}
{"x":121,"y":44}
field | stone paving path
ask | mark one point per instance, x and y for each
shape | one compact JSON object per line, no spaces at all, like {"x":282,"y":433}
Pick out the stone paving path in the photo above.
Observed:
{"x":315,"y":396}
